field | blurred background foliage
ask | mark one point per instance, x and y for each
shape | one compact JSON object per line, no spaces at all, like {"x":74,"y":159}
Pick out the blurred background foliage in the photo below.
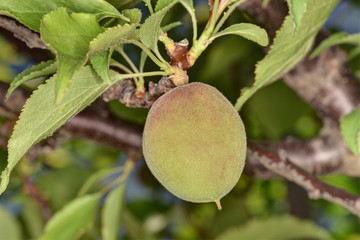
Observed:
{"x":253,"y":207}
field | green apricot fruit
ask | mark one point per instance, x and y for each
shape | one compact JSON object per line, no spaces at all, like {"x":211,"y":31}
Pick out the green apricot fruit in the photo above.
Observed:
{"x":194,"y":143}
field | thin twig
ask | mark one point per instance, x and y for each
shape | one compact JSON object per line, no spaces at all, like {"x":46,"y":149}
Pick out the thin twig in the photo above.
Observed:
{"x":34,"y":192}
{"x":21,"y":32}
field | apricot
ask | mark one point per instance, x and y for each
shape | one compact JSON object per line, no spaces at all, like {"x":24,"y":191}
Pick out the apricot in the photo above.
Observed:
{"x":194,"y":143}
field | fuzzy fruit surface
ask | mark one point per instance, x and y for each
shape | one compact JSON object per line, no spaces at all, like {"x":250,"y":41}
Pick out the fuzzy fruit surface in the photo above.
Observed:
{"x":194,"y":143}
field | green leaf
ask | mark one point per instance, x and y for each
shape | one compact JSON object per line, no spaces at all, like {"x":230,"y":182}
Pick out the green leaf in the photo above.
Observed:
{"x":350,"y":129}
{"x":161,"y":4}
{"x":100,"y":63}
{"x":69,"y":36}
{"x":42,"y":69}
{"x":112,"y":37}
{"x":122,"y":4}
{"x":276,"y":228}
{"x":287,"y":50}
{"x":40,"y":117}
{"x":111,"y":213}
{"x":249,"y":31}
{"x":150,"y":30}
{"x":9,"y":227}
{"x":74,"y":218}
{"x":31,"y":14}
{"x":335,"y":39}
{"x":297,"y":10}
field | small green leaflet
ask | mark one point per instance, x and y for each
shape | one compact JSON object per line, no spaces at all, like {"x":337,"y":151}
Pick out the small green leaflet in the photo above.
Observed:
{"x":100,"y":63}
{"x":277,"y":228}
{"x":34,"y":125}
{"x":150,"y":30}
{"x":134,"y":15}
{"x":297,"y":10}
{"x":287,"y":50}
{"x":111,"y":213}
{"x":249,"y":31}
{"x":112,"y":37}
{"x":69,"y":36}
{"x":350,"y":129}
{"x":335,"y":39}
{"x":42,"y":69}
{"x":77,"y":37}
{"x":73,"y":219}
{"x":31,"y":13}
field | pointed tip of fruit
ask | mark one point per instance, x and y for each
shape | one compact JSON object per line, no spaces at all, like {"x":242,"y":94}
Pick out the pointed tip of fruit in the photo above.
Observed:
{"x":218,"y":204}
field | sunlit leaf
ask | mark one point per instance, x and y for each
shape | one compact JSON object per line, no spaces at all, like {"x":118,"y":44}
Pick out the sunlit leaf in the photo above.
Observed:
{"x":69,"y":36}
{"x":40,"y":117}
{"x":31,"y":13}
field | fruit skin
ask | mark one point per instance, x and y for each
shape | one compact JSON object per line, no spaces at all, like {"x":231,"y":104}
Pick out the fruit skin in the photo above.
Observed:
{"x":194,"y":143}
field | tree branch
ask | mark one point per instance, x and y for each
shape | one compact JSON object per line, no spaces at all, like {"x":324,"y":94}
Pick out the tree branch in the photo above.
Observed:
{"x":21,"y":32}
{"x":125,"y":92}
{"x":316,"y":189}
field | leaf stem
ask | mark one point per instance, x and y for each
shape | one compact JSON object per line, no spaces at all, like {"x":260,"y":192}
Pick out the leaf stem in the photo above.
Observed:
{"x":146,"y":74}
{"x":148,"y":4}
{"x":226,"y":15}
{"x":201,"y":44}
{"x":139,"y":81}
{"x":193,"y":20}
{"x":129,"y":165}
{"x":213,"y":16}
{"x":163,"y":65}
{"x":121,"y":66}
{"x":211,"y":28}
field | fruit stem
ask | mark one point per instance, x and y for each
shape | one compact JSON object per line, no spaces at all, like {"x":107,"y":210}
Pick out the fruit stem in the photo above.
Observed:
{"x":218,"y":204}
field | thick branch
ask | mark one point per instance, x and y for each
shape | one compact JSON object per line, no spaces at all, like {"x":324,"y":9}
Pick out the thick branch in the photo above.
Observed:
{"x":316,"y":189}
{"x":21,"y":32}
